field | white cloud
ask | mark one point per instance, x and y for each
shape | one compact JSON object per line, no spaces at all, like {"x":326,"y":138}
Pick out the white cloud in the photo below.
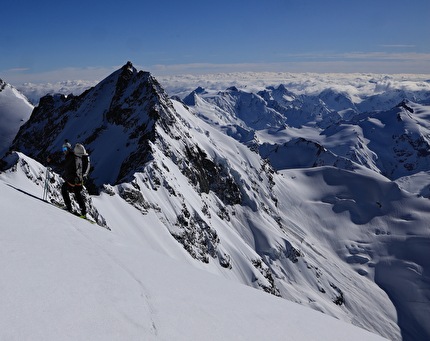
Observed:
{"x":356,"y":84}
{"x":182,"y":78}
{"x":398,"y":46}
{"x":18,"y":69}
{"x":26,"y":75}
{"x":372,"y":62}
{"x":410,"y":56}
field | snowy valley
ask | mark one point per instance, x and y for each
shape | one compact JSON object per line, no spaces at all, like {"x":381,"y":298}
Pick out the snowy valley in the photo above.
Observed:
{"x":316,"y":197}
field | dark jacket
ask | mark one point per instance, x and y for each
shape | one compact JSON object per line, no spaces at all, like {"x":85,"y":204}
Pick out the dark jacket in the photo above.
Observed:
{"x":69,"y":169}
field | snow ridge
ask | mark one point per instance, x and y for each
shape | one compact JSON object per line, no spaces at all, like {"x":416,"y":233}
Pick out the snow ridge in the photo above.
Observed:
{"x":15,"y":110}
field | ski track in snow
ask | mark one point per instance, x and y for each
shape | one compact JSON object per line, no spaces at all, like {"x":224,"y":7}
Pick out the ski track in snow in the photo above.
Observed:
{"x":144,"y":291}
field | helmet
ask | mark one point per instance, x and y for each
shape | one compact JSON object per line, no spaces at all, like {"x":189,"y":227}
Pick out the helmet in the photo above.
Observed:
{"x":66,"y":146}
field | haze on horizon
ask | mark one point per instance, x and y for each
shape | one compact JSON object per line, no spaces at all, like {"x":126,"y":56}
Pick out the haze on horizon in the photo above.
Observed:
{"x":51,"y":42}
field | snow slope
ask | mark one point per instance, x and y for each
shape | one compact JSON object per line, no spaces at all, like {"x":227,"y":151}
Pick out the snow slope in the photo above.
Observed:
{"x":66,"y":279}
{"x":14,"y":111}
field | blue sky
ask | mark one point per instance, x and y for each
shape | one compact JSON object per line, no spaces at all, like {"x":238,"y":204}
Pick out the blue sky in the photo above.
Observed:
{"x":47,"y":41}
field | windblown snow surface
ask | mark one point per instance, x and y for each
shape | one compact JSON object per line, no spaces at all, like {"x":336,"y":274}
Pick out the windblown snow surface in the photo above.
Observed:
{"x":64,"y":278}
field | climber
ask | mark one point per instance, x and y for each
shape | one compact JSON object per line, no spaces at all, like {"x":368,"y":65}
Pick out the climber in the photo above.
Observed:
{"x":72,"y":183}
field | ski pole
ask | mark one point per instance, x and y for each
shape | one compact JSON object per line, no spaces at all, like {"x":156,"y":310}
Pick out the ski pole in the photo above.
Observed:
{"x":46,"y":187}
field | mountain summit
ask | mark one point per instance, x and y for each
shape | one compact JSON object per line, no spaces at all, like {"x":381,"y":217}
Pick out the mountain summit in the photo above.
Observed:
{"x":115,"y":120}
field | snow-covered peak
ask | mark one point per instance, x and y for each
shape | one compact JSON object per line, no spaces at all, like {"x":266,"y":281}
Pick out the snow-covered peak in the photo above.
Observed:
{"x":15,"y":110}
{"x":114,"y":120}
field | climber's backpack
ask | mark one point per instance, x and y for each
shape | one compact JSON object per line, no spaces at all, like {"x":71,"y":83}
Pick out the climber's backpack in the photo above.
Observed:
{"x":82,"y":160}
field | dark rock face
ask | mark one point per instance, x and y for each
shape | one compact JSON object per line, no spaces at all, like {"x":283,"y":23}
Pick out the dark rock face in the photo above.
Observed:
{"x":210,"y":176}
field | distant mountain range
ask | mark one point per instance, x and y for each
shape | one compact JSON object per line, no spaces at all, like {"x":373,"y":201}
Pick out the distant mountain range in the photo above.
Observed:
{"x":318,"y":198}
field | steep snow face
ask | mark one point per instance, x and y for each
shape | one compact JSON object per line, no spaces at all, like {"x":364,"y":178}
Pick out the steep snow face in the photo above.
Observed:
{"x":401,"y":139}
{"x":15,"y":110}
{"x":302,"y":153}
{"x":248,"y":107}
{"x":302,"y":110}
{"x":393,"y":142}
